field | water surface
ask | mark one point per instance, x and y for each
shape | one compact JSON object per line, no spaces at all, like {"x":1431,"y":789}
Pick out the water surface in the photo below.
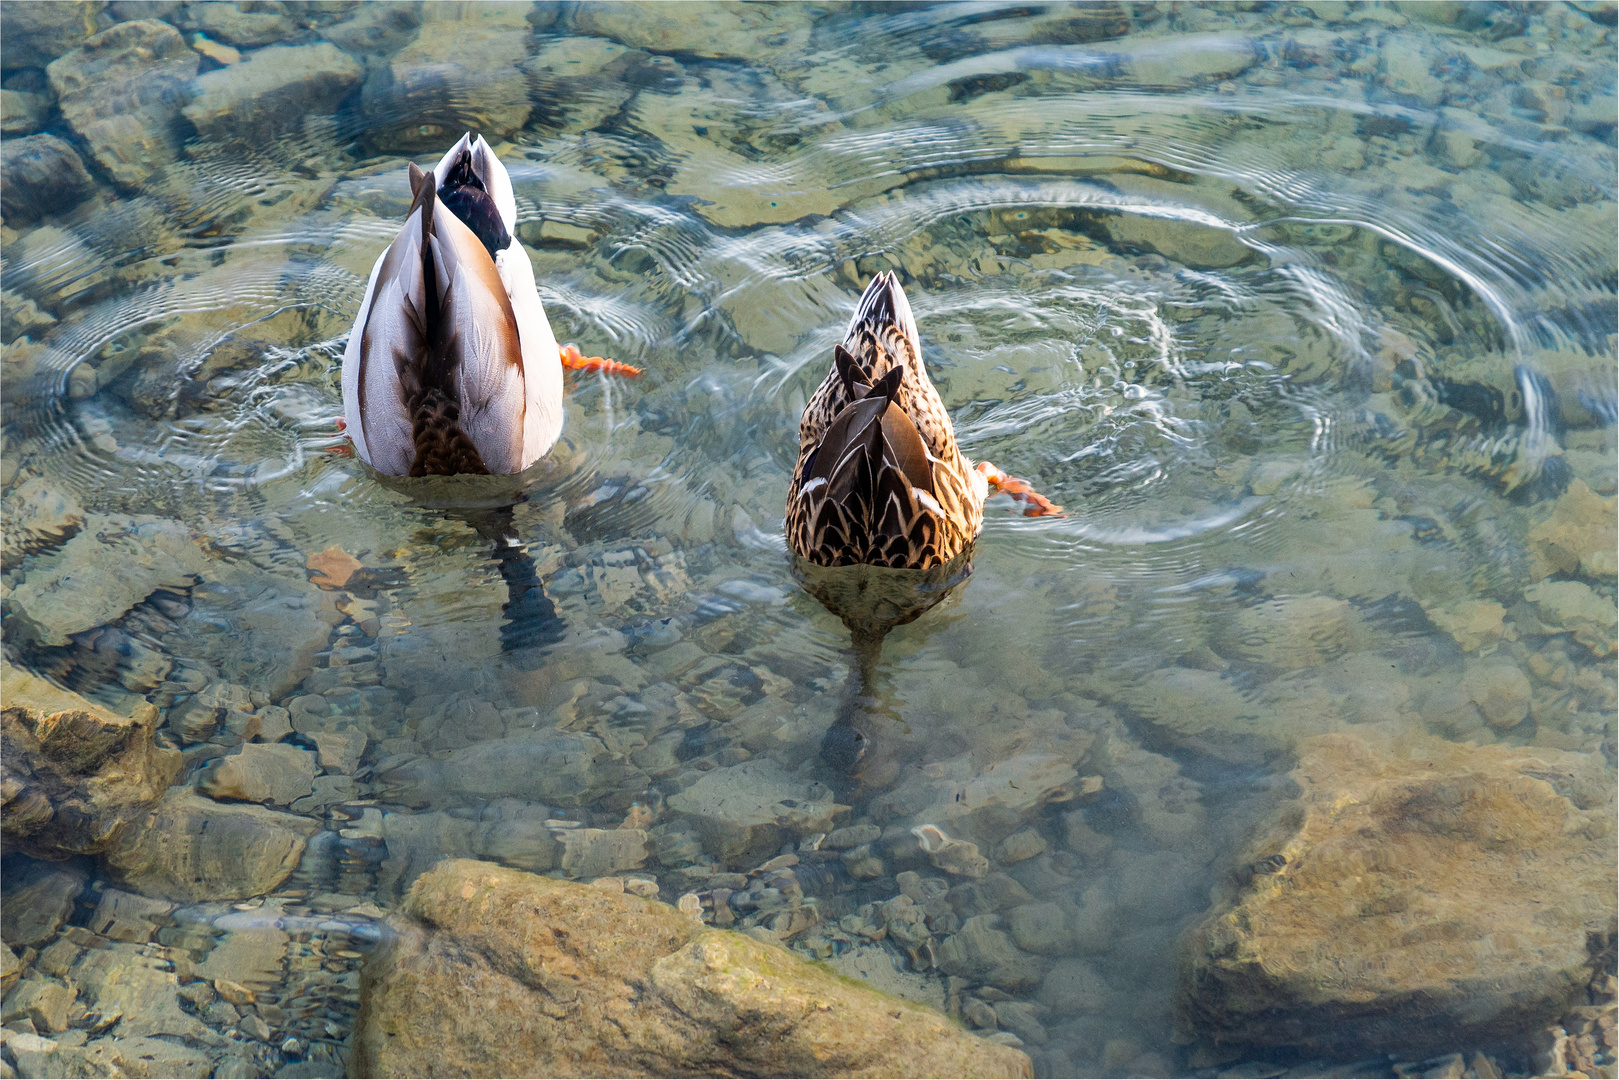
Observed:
{"x":1304,"y":313}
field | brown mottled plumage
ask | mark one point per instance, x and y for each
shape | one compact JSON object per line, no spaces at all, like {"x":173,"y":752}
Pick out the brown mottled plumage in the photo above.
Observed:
{"x":880,"y":480}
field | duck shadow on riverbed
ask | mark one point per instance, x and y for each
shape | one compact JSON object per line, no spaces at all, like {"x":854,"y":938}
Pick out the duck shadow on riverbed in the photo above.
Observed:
{"x":871,"y":601}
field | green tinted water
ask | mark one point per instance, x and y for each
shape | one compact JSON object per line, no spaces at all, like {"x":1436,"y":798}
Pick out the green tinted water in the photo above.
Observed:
{"x":1305,"y":313}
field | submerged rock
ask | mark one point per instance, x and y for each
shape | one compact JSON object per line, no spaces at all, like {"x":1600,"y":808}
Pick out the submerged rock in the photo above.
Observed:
{"x":1576,"y":607}
{"x":41,"y":175}
{"x":22,"y":113}
{"x":272,"y":90}
{"x":1581,"y":536}
{"x":38,"y":899}
{"x":376,"y":28}
{"x":38,"y":31}
{"x":588,"y":853}
{"x":758,"y":34}
{"x":43,"y":1002}
{"x":136,"y":1056}
{"x":984,"y":953}
{"x":122,"y":91}
{"x":558,"y":767}
{"x":263,"y":773}
{"x":113,"y":563}
{"x":459,"y":74}
{"x":245,"y":24}
{"x":121,"y":981}
{"x":191,"y":848}
{"x":494,"y":971}
{"x":38,"y":516}
{"x":1415,"y":897}
{"x":277,"y":626}
{"x":74,"y":773}
{"x":506,"y":831}
{"x":755,"y":806}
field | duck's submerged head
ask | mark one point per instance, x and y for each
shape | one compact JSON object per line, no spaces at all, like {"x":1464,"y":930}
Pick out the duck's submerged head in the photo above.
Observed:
{"x":474,"y":186}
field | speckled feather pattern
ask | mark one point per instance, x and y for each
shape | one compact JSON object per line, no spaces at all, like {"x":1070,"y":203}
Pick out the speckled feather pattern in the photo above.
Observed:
{"x":876,"y":517}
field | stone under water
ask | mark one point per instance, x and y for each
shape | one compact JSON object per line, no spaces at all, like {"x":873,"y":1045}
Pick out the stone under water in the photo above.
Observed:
{"x":76,"y":774}
{"x":1416,"y":896}
{"x":554,"y":978}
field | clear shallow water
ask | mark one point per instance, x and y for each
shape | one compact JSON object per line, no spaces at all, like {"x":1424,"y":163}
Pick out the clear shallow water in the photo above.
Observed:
{"x":1306,"y":315}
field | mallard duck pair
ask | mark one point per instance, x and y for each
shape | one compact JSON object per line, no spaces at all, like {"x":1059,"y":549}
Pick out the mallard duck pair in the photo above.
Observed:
{"x":452,"y":368}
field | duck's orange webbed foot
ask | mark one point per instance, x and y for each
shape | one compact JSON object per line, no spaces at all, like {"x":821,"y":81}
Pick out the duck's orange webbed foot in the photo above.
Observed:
{"x":572,"y":360}
{"x":1034,"y":504}
{"x":346,"y":447}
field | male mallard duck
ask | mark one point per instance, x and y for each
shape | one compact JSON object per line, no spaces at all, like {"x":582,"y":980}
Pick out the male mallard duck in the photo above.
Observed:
{"x":880,"y":480}
{"x":452,"y":366}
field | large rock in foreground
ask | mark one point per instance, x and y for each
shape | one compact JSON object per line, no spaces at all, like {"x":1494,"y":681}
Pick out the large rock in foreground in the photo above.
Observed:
{"x":73,"y":774}
{"x":496,"y":972}
{"x":1415,"y":898}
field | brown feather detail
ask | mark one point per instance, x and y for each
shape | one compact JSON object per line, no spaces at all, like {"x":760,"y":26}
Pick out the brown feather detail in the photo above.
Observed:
{"x":867,"y":512}
{"x":442,"y":448}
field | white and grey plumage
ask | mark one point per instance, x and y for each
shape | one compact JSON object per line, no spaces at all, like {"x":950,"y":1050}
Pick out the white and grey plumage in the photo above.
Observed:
{"x":452,"y":366}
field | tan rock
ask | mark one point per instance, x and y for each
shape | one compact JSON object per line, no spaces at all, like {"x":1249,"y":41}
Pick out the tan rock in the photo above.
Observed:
{"x":1575,"y":606}
{"x":1501,"y":692}
{"x":592,"y":853}
{"x":459,"y":74}
{"x":1297,"y":631}
{"x":755,"y":806}
{"x":38,"y":33}
{"x":1472,"y":623}
{"x":248,"y":960}
{"x":44,"y":1002}
{"x":113,"y":563}
{"x":139,"y":1057}
{"x":555,"y":978}
{"x":190,"y":848}
{"x":121,"y":980}
{"x":122,"y":90}
{"x":123,"y":916}
{"x":10,"y":969}
{"x":1417,"y":896}
{"x":339,"y":751}
{"x":713,"y":29}
{"x":1582,"y":534}
{"x":263,"y":772}
{"x":75,"y":773}
{"x":38,"y":897}
{"x":272,"y":90}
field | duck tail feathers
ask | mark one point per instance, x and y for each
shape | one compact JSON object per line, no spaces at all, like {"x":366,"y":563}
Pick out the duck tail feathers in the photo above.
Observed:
{"x":424,"y":188}
{"x":884,"y":304}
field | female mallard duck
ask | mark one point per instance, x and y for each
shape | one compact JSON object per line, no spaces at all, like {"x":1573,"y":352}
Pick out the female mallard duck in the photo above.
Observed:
{"x":452,"y":367}
{"x":884,"y":507}
{"x":880,"y":480}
